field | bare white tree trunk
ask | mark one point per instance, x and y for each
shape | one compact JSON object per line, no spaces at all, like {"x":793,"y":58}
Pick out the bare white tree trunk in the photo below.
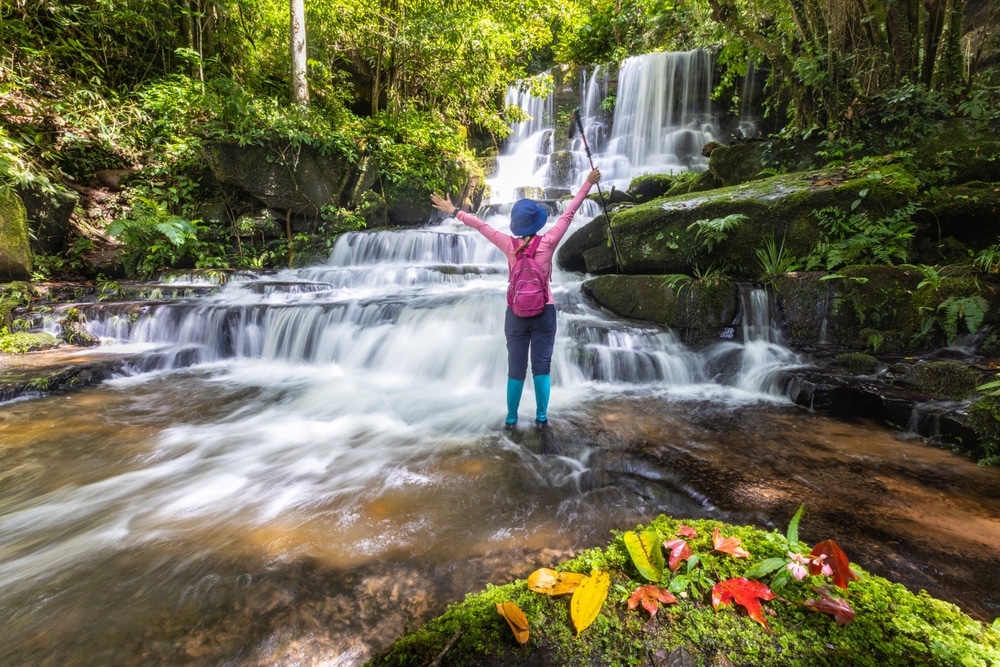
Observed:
{"x":300,"y":87}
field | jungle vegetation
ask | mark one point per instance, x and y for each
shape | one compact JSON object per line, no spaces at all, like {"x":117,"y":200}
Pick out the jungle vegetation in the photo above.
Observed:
{"x":141,"y":84}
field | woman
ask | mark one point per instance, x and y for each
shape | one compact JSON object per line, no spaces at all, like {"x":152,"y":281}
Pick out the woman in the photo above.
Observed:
{"x":527,"y":335}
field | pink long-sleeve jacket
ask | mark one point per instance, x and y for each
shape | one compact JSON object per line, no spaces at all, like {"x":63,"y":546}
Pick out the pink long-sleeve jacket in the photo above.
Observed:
{"x":546,"y":247}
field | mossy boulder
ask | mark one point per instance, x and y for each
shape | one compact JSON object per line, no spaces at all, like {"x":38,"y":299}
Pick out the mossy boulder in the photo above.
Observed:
{"x":15,"y":248}
{"x":945,"y":379}
{"x":675,"y":235}
{"x":891,"y":626}
{"x":697,"y":310}
{"x":959,"y":151}
{"x":739,"y":163}
{"x":650,"y":186}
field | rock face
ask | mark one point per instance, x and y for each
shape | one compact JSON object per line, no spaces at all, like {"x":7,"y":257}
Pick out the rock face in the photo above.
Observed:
{"x":49,"y":218}
{"x":15,"y":251}
{"x":289,"y":178}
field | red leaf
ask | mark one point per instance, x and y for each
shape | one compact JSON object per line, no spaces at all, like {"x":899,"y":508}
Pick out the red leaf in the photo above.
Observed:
{"x":836,"y":559}
{"x":650,"y":597}
{"x":728,"y":545}
{"x":837,"y":607}
{"x":745,"y":593}
{"x":679,"y":552}
{"x":687,"y":531}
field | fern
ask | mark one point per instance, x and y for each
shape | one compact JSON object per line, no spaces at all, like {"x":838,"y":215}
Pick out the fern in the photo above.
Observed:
{"x":713,"y":232}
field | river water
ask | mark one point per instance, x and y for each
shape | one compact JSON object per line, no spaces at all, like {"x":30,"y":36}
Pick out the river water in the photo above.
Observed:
{"x":308,"y":463}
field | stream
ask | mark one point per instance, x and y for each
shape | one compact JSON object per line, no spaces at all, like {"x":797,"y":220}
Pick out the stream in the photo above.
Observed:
{"x":303,"y":465}
{"x":297,"y":467}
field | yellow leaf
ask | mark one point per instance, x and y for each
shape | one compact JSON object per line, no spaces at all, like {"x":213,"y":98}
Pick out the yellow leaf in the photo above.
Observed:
{"x":550,"y":582}
{"x":516,"y":619}
{"x":588,"y":599}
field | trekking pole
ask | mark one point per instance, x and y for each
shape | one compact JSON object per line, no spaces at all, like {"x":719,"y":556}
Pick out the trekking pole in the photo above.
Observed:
{"x":576,"y":124}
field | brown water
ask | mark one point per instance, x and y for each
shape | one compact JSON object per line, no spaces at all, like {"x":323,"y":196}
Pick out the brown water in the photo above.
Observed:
{"x":183,"y":520}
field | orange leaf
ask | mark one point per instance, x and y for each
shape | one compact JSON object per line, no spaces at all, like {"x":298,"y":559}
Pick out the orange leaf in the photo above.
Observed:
{"x":650,"y":597}
{"x":728,"y":545}
{"x":516,"y":619}
{"x":836,"y":559}
{"x":588,"y":599}
{"x":744,"y":592}
{"x":550,"y":582}
{"x":679,"y":552}
{"x":687,"y":531}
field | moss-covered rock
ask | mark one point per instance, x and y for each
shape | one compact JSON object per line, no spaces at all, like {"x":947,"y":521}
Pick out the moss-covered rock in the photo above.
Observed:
{"x":945,"y":379}
{"x":739,"y":163}
{"x":669,"y":235}
{"x":698,"y":310}
{"x":15,"y":248}
{"x":892,"y":627}
{"x":24,"y":342}
{"x":650,"y":186}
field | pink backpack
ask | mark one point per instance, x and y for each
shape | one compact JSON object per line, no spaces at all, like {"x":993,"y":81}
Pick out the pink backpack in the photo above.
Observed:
{"x":528,"y":290}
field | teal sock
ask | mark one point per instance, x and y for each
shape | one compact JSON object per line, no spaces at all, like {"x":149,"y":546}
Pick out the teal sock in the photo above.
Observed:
{"x":543,"y":387}
{"x":514,"y":389}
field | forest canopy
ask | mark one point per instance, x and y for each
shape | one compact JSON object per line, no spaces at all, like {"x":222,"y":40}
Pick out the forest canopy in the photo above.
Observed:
{"x":104,"y":84}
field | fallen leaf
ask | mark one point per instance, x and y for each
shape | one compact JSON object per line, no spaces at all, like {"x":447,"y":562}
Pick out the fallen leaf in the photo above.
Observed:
{"x":650,"y":597}
{"x":550,"y":582}
{"x":516,"y":619}
{"x":745,"y":593}
{"x":728,"y":545}
{"x":687,"y":532}
{"x":836,"y":559}
{"x":588,"y":599}
{"x":644,"y":548}
{"x":680,"y":551}
{"x":837,"y":607}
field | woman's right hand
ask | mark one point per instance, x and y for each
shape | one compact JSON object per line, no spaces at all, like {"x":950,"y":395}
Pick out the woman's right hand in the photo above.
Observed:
{"x":594,"y":175}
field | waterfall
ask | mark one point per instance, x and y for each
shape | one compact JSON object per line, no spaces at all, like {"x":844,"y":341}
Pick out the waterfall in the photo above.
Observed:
{"x":525,"y":160}
{"x":663,"y":115}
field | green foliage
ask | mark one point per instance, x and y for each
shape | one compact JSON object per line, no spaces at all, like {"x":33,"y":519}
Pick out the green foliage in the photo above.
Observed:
{"x":153,"y":237}
{"x":774,"y":261}
{"x":711,"y":233}
{"x":853,"y":237}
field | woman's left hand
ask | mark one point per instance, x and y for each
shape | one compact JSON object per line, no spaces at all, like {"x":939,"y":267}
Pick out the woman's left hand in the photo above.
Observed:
{"x":443,"y":204}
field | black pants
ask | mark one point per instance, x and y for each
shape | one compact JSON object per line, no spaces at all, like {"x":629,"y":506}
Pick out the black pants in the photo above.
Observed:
{"x":536,"y":335}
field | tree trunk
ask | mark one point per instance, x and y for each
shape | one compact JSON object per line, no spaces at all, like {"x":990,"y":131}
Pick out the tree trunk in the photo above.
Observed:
{"x":300,"y":86}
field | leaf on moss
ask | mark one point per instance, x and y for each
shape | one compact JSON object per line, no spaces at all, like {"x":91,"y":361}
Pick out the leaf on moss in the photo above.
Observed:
{"x":728,"y":545}
{"x":550,"y":582}
{"x":644,"y":548}
{"x":680,"y":551}
{"x":839,"y":608}
{"x":516,"y":619}
{"x":830,"y":552}
{"x":745,"y":593}
{"x":650,"y":597}
{"x":686,"y":532}
{"x":588,"y":599}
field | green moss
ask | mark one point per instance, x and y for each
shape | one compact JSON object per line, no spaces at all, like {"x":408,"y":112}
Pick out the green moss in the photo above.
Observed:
{"x":893,"y":627}
{"x":948,"y":379}
{"x":23,"y":342}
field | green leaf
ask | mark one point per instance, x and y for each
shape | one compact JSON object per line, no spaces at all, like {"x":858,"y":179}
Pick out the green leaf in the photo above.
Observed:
{"x":765,"y":567}
{"x":792,"y":534}
{"x":646,"y":553}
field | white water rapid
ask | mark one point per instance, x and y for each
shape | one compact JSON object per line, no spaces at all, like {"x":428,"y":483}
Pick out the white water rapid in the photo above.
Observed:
{"x":345,"y":415}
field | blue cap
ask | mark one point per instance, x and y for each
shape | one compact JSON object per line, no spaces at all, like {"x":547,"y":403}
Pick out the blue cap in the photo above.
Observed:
{"x":527,"y":217}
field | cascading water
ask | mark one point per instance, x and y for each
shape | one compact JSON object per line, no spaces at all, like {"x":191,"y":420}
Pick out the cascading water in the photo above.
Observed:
{"x":346,"y":414}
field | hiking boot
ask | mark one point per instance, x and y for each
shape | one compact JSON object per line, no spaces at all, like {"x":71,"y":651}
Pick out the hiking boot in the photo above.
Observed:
{"x":542,"y":425}
{"x":509,"y":426}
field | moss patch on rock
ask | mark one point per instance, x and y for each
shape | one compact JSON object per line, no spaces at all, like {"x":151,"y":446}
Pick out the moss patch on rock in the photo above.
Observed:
{"x":945,"y":379}
{"x":893,"y":627}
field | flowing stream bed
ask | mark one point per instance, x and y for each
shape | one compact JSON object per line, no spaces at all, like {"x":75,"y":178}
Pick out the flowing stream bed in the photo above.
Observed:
{"x":301,"y":466}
